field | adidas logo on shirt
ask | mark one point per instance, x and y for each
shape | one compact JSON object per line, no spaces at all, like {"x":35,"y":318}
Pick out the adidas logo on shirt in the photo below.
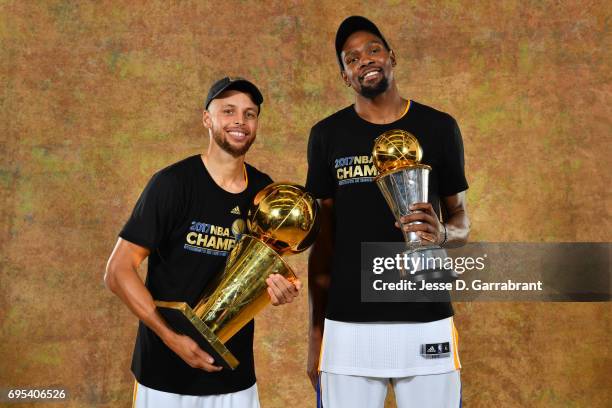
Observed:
{"x":435,"y":350}
{"x":236,"y":210}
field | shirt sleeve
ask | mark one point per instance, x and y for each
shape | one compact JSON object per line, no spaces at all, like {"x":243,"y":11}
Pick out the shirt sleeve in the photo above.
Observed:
{"x":152,"y":219}
{"x":318,"y":179}
{"x":452,"y":173}
{"x":262,"y":181}
{"x":267,"y":180}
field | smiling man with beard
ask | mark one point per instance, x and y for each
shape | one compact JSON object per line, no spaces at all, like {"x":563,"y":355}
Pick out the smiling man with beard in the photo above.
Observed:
{"x":356,"y":348}
{"x":186,"y":221}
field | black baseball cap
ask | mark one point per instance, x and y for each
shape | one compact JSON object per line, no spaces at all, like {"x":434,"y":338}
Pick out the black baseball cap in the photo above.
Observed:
{"x":237,"y":83}
{"x":349,"y":26}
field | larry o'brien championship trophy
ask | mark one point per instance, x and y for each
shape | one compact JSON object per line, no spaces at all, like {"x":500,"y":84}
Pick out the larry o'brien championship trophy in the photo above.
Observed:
{"x":282,"y":220}
{"x":403,"y":181}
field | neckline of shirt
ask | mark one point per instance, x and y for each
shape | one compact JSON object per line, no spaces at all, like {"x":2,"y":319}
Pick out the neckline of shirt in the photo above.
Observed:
{"x":408,"y":106}
{"x":207,"y":174}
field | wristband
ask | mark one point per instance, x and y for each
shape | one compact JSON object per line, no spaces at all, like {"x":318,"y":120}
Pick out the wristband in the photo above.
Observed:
{"x":445,"y":236}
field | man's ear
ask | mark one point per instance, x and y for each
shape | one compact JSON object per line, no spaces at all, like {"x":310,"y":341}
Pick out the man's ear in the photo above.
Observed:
{"x":392,"y":58}
{"x":206,"y":119}
{"x":345,"y":78}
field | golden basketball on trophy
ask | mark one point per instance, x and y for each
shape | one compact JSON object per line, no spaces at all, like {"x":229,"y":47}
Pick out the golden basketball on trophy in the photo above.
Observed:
{"x":283,"y":216}
{"x":395,"y":150}
{"x":282,"y":220}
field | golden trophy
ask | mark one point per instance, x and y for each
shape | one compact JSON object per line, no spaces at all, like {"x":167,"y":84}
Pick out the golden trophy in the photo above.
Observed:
{"x":282,"y":220}
{"x":403,"y":181}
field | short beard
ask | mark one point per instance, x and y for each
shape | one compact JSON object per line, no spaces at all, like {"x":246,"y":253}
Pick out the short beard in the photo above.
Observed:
{"x":228,"y":148}
{"x":372,"y":92}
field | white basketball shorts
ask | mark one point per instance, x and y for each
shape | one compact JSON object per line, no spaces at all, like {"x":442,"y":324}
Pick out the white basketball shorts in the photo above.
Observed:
{"x":145,"y":397}
{"x":359,"y":360}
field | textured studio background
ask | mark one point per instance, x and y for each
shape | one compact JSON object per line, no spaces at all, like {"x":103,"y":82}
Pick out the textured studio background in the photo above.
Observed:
{"x":98,"y":95}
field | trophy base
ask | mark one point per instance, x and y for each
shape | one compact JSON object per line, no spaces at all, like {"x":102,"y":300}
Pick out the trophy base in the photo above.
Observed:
{"x":436,"y":273}
{"x":182,"y":319}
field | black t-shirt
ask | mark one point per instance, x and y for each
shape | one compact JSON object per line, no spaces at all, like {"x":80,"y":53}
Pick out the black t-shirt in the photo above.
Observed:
{"x":189,"y":224}
{"x":340,"y":167}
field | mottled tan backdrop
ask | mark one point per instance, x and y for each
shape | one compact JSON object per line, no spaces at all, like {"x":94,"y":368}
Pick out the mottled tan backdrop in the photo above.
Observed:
{"x":98,"y":95}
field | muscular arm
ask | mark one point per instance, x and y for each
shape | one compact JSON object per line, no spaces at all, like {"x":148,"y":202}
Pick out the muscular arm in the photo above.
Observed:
{"x":319,"y":269}
{"x":122,"y":279}
{"x":457,"y":220}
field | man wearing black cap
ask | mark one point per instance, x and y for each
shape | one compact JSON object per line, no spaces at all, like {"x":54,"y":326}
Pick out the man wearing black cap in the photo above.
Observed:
{"x":359,"y":347}
{"x":186,"y":221}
